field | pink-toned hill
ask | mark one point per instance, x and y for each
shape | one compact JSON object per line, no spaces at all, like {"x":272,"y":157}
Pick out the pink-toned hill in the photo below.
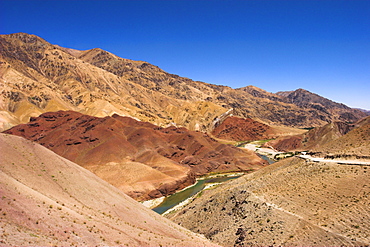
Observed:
{"x":47,"y":200}
{"x":143,"y":160}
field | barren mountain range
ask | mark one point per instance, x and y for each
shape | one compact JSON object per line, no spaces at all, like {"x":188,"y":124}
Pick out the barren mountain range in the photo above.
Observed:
{"x":144,"y":160}
{"x":38,"y":77}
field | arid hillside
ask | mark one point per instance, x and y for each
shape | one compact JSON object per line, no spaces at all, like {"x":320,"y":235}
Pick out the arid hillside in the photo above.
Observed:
{"x":293,"y":202}
{"x":306,"y":110}
{"x":47,"y":200}
{"x":37,"y":77}
{"x":337,"y":138}
{"x":143,"y":160}
{"x":313,"y":139}
{"x":355,"y":143}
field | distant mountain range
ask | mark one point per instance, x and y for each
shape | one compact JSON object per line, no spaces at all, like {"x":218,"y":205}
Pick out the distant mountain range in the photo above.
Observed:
{"x":363,"y":110}
{"x":38,"y":77}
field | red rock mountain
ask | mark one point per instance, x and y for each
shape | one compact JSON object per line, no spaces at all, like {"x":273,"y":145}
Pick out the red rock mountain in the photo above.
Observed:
{"x":239,"y":129}
{"x":38,"y":77}
{"x":144,"y":160}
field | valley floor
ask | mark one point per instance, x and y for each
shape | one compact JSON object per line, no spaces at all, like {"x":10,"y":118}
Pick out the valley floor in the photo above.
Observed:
{"x":293,"y":202}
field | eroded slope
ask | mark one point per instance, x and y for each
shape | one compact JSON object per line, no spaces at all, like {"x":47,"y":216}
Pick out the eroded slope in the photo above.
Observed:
{"x":144,"y":160}
{"x":314,"y":139}
{"x":48,"y":200}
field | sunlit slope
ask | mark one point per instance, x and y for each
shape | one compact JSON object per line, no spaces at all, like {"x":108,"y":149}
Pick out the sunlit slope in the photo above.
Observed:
{"x":48,"y":200}
{"x":356,"y":142}
{"x":337,"y":138}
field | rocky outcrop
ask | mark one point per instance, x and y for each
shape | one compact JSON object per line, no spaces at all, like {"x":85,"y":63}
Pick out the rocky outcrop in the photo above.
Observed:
{"x":292,"y":202}
{"x":142,"y":159}
{"x":47,"y":200}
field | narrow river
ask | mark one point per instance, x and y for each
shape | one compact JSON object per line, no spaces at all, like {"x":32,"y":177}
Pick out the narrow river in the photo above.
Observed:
{"x":270,"y":161}
{"x":175,"y":199}
{"x":181,"y":196}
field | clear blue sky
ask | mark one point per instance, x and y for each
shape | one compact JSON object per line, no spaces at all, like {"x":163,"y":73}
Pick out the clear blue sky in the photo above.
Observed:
{"x":322,"y":46}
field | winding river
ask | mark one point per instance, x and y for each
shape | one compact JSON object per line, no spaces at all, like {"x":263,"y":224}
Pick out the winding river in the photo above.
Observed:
{"x":181,"y":196}
{"x":175,"y":199}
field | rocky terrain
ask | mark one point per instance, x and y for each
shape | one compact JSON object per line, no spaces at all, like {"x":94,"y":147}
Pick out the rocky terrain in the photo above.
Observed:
{"x":38,"y":77}
{"x":48,"y":200}
{"x":143,"y":160}
{"x":290,"y":203}
{"x":306,"y":109}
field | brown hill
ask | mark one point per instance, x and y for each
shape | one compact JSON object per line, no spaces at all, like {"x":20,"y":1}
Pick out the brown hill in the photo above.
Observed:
{"x":354,"y":143}
{"x":335,"y":139}
{"x":246,"y":129}
{"x":306,"y":99}
{"x":38,"y":77}
{"x":144,"y":160}
{"x":314,"y":139}
{"x":307,"y":110}
{"x":289,"y":203}
{"x":48,"y":200}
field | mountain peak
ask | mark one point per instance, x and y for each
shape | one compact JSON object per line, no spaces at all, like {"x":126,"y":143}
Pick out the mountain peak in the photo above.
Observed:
{"x":26,"y":38}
